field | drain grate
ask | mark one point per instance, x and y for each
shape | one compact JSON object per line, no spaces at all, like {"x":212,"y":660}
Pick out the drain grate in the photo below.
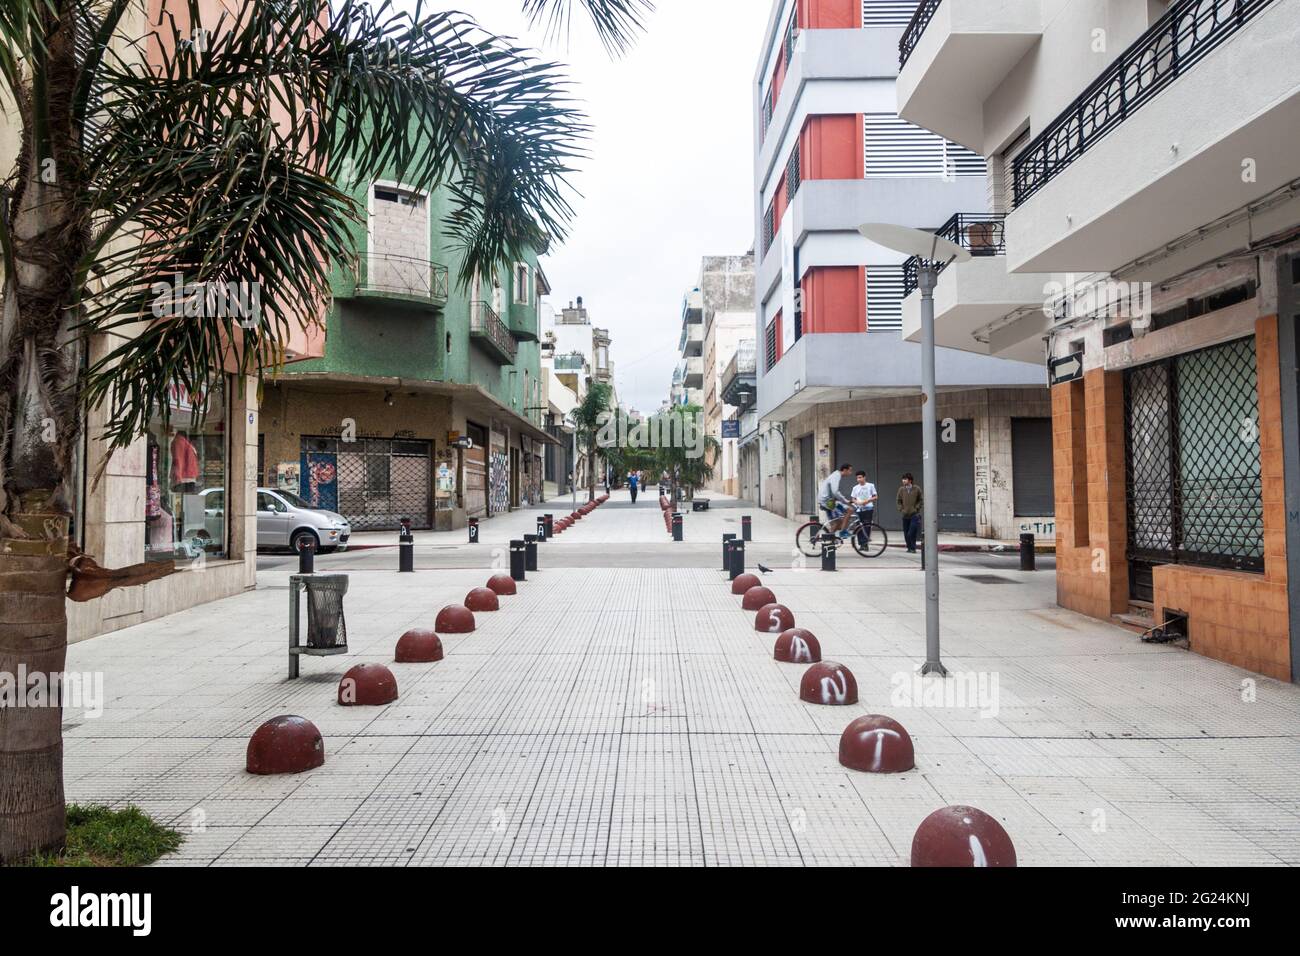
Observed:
{"x":988,"y":579}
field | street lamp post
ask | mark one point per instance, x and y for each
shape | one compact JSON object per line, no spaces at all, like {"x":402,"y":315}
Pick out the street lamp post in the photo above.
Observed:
{"x":933,"y":253}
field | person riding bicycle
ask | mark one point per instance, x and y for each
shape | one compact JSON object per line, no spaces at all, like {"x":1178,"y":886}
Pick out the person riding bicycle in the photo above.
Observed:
{"x":833,"y":503}
{"x":864,"y":496}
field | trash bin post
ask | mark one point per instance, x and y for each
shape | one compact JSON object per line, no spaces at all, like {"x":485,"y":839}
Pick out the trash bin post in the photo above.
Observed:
{"x":530,"y":552}
{"x":307,"y":556}
{"x":541,"y":530}
{"x":747,"y":527}
{"x":472,"y":526}
{"x":726,"y":543}
{"x":677,"y":526}
{"x":550,"y":526}
{"x":737,"y":559}
{"x":405,"y":548}
{"x":828,"y":556}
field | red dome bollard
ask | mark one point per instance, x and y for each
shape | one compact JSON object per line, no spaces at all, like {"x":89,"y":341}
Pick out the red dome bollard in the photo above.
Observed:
{"x":503,"y":585}
{"x":756,"y":597}
{"x":876,"y":744}
{"x":744,"y":582}
{"x":962,"y":836}
{"x":418,"y":646}
{"x":454,"y":619}
{"x":482,"y":599}
{"x":367,"y":685}
{"x":285,"y":745}
{"x":828,"y":683}
{"x":773,"y":619}
{"x":797,"y":646}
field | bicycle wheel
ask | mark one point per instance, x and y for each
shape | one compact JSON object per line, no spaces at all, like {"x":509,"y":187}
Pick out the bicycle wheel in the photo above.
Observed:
{"x":807,"y":539}
{"x":875,"y":545}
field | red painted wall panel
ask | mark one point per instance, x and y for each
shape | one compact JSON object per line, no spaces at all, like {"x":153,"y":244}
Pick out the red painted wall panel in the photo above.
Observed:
{"x":834,"y":299}
{"x":831,"y":147}
{"x":830,"y":14}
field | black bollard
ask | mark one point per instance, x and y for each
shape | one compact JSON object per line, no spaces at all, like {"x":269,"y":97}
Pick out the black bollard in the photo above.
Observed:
{"x":746,"y":528}
{"x":1027,"y":558}
{"x":405,"y":552}
{"x":828,"y":556}
{"x":307,"y":557}
{"x":736,"y":559}
{"x":541,"y":530}
{"x":518,"y":561}
{"x":726,"y":543}
{"x":677,"y":526}
{"x":530,"y":552}
{"x":550,"y":526}
{"x":473,"y":530}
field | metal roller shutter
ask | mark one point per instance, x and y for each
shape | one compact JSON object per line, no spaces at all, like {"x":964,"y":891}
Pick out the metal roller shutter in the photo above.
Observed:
{"x":1032,"y":486}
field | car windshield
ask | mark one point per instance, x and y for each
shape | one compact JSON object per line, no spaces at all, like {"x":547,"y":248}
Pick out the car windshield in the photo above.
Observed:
{"x":294,"y":500}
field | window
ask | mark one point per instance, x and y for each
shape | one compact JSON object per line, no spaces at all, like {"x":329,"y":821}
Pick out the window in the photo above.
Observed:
{"x":884,"y":298}
{"x":185,"y":485}
{"x":521,"y":284}
{"x":1194,"y":484}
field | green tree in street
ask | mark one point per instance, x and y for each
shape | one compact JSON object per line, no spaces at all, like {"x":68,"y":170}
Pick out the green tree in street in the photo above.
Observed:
{"x":209,"y":148}
{"x":688,"y":464}
{"x":590,"y":415}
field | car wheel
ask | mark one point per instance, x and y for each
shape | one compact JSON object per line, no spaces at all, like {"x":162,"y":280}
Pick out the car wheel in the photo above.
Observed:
{"x":301,"y":538}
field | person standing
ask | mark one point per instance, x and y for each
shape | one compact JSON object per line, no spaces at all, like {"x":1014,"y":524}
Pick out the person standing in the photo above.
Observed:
{"x":864,"y":497}
{"x":633,"y":483}
{"x":910,"y":503}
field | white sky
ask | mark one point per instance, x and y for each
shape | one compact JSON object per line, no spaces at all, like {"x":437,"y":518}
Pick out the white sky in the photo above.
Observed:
{"x":669,"y":177}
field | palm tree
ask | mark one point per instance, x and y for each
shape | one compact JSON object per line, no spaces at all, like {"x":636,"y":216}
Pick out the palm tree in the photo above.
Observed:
{"x":590,"y":415}
{"x":687,"y":468}
{"x":211,"y":148}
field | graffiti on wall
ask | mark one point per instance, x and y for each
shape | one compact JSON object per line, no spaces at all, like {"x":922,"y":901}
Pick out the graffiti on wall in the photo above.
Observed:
{"x":499,"y":482}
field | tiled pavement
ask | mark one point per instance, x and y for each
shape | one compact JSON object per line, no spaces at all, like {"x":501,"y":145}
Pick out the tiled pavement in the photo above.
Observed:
{"x":632,"y":716}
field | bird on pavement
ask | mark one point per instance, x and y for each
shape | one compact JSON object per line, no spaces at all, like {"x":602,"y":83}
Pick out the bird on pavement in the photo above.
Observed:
{"x":764,"y":570}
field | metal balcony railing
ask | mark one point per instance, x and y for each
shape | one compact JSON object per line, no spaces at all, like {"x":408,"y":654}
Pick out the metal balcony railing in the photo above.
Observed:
{"x":486,"y":324}
{"x":573,"y":362}
{"x":979,"y":233}
{"x":915,"y":27}
{"x":1187,"y":32}
{"x":404,"y":276}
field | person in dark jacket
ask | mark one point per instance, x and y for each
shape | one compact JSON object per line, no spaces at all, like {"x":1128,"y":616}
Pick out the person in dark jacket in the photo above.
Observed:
{"x":910,"y":503}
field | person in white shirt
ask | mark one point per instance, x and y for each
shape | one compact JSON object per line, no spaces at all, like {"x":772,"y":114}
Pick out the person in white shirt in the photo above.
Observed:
{"x":833,"y":503}
{"x":864,"y":496}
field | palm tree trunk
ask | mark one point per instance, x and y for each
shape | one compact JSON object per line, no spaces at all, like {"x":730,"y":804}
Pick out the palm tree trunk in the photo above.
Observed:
{"x":33,"y":641}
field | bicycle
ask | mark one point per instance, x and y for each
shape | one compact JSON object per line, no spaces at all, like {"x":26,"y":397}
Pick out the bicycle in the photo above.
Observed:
{"x":811,"y":536}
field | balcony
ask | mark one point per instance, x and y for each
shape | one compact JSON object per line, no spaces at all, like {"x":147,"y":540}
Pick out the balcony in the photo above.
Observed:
{"x":491,"y":334}
{"x":739,"y":382}
{"x":402,"y":279}
{"x":954,"y":55}
{"x":978,"y":306}
{"x":523,"y":322}
{"x":572,"y":362}
{"x":693,"y":372}
{"x":1160,"y":144}
{"x":692,"y":340}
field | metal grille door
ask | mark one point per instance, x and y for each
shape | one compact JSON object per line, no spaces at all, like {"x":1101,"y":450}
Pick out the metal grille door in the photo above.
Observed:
{"x":1193,"y":480}
{"x":379,"y":481}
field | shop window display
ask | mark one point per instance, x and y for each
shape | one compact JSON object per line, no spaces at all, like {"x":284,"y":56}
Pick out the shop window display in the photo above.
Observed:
{"x":185,"y":485}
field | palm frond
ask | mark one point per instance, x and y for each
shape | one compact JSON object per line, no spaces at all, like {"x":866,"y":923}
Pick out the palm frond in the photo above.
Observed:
{"x":616,"y":22}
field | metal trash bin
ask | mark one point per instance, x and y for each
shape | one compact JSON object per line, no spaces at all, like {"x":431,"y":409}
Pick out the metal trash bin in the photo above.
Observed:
{"x":327,"y":631}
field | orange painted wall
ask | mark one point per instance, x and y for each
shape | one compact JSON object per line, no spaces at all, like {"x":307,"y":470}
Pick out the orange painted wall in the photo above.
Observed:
{"x":1237,"y":617}
{"x":833,"y":299}
{"x":779,"y":204}
{"x":778,"y":75}
{"x":830,"y":14}
{"x":830,"y":147}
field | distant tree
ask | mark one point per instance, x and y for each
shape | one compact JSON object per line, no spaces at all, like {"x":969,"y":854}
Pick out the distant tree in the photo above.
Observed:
{"x":591,"y":415}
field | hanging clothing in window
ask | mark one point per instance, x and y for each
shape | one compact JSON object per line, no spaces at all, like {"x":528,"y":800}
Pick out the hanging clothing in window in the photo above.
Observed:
{"x":185,"y":461}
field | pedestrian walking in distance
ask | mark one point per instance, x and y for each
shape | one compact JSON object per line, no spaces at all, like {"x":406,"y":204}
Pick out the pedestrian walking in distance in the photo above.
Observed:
{"x":633,"y":484}
{"x":910,"y":503}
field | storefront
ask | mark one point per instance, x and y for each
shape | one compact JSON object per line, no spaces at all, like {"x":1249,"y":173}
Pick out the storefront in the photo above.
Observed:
{"x":373,"y":482}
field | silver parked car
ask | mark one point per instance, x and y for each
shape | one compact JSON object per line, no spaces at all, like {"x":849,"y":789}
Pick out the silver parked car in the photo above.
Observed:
{"x":286,"y":521}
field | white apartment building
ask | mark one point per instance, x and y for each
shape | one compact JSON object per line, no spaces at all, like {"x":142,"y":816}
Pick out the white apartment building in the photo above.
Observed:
{"x":836,"y":381}
{"x":1145,"y":169}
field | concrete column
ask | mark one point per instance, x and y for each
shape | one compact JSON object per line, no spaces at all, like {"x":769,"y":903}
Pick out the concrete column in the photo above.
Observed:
{"x":241,"y":477}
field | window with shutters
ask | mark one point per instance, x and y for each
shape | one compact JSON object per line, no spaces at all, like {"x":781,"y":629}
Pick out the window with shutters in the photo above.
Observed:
{"x":893,"y":147}
{"x":888,"y":13}
{"x":772,"y":343}
{"x":884,"y":298}
{"x":793,"y":173}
